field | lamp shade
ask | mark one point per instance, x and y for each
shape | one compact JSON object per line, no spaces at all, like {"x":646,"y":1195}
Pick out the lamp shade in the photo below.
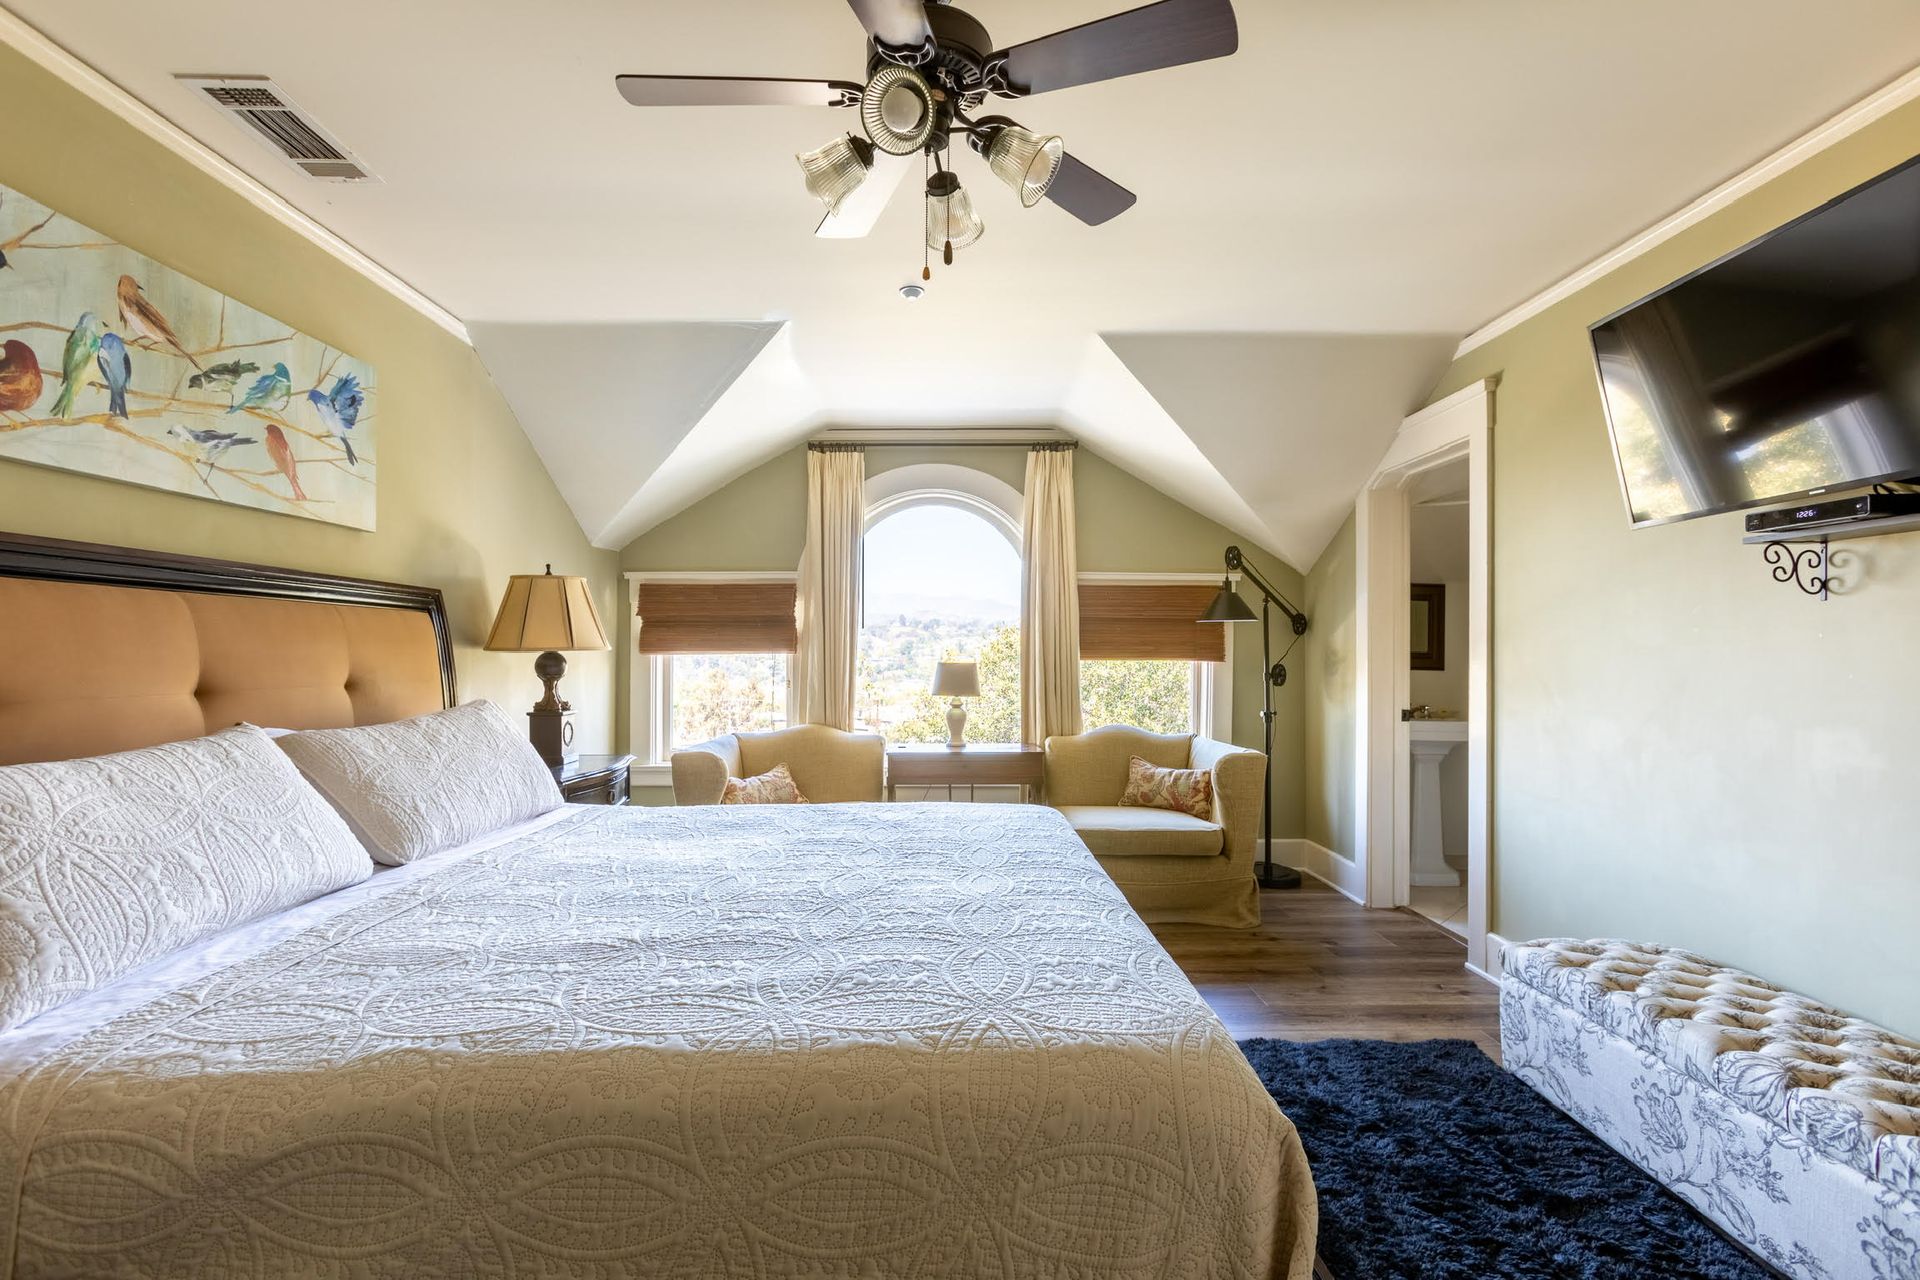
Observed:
{"x":956,"y":680}
{"x":546,"y":611}
{"x":950,"y":216}
{"x":1025,"y":161}
{"x":1227,"y":606}
{"x":836,"y":170}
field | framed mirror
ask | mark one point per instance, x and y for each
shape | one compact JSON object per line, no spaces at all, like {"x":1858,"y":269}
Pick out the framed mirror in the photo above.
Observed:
{"x":1429,"y":631}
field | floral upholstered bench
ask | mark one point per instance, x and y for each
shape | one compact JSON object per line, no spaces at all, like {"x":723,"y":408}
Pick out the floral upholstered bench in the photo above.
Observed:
{"x":1792,"y":1125}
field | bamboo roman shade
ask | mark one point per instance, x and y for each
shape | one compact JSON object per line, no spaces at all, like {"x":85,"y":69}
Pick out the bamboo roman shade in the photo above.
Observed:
{"x":716,"y":617}
{"x":1134,"y":620}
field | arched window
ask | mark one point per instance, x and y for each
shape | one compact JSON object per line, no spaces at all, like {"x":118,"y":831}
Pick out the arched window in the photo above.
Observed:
{"x":942,"y":582}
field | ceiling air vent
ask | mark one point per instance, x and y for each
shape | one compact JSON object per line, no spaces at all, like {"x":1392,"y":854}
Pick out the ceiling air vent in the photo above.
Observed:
{"x":260,"y":104}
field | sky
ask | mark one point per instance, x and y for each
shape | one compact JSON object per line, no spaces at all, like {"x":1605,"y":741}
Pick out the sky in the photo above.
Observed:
{"x":923,"y":558}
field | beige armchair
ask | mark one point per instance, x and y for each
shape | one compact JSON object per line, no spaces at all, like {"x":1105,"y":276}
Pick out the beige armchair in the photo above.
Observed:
{"x":828,"y":765}
{"x":1173,"y":867}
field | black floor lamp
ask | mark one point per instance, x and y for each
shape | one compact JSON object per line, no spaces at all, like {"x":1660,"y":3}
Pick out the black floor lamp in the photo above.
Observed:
{"x":1229,"y":607}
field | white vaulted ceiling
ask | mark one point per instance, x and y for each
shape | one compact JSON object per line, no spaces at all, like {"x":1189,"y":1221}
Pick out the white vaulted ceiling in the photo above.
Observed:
{"x":1320,"y":216}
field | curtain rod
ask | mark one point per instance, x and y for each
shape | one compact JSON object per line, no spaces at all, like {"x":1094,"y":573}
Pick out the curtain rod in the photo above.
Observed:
{"x":1038,"y":446}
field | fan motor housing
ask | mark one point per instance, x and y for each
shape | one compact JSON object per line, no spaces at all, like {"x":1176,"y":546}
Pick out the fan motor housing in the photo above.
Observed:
{"x":958,"y":64}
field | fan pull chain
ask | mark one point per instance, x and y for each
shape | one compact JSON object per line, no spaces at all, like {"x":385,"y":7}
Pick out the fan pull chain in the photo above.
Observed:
{"x":946,"y":254}
{"x":926,"y":216}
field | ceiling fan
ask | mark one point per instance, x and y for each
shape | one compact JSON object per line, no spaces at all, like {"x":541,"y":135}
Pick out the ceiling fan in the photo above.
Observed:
{"x":929,"y":66}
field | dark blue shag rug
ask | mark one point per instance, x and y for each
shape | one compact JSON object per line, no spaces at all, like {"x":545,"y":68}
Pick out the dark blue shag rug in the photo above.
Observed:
{"x":1432,"y":1162}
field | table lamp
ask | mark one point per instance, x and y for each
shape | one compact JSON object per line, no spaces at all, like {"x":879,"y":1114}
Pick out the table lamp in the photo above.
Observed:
{"x":956,"y":680}
{"x":546,"y":613}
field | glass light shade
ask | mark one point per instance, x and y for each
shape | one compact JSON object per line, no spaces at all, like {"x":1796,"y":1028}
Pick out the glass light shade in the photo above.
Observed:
{"x":1025,"y":161}
{"x":836,"y":170}
{"x":951,"y":219}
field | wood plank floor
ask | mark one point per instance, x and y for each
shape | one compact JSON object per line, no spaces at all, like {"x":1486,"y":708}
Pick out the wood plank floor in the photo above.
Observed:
{"x":1319,"y":967}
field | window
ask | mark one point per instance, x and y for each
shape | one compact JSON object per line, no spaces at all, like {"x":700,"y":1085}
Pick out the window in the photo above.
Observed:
{"x":1156,"y":694}
{"x":1146,"y":661}
{"x":714,"y":654}
{"x":942,"y":582}
{"x":708,"y":694}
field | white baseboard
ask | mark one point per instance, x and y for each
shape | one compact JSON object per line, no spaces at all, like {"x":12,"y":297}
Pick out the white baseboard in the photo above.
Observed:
{"x":1496,"y":952}
{"x":1320,"y":862}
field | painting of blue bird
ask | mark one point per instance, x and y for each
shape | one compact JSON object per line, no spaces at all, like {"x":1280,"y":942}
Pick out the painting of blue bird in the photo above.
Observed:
{"x":272,"y":389}
{"x":116,"y":366}
{"x":340,"y":410}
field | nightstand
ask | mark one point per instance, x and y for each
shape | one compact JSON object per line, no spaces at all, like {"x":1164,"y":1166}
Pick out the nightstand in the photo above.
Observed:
{"x":594,"y":779}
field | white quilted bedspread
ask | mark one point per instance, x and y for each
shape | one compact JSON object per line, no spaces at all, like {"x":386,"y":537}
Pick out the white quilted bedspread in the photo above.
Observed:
{"x":822,"y":1041}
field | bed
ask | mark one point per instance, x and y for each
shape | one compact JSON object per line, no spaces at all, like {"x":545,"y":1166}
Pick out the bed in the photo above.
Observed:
{"x":839,"y":1040}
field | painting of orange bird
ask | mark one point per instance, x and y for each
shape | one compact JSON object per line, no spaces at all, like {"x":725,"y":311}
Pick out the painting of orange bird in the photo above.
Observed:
{"x":282,"y":454}
{"x":20,"y":380}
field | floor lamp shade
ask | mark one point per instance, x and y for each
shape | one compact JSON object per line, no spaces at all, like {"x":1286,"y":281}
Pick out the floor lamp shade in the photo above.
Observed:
{"x":548,"y":614}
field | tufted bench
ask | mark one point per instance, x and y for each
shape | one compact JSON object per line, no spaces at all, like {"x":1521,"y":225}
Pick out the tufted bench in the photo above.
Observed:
{"x":1792,"y":1125}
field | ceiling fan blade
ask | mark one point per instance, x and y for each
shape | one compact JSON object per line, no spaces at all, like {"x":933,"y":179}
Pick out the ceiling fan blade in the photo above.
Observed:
{"x":900,"y":23}
{"x":1088,"y":194}
{"x":1167,"y":34}
{"x":861,"y":209}
{"x":734,"y":91}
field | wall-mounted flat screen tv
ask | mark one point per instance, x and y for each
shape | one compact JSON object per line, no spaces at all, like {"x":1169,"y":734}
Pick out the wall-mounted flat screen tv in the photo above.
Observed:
{"x":1789,"y":368}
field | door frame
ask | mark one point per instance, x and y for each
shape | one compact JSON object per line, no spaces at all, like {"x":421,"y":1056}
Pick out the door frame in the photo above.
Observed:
{"x":1456,"y":427}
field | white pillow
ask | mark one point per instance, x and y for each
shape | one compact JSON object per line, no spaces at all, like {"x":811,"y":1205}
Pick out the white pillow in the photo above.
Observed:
{"x":109,"y":862}
{"x":418,"y":786}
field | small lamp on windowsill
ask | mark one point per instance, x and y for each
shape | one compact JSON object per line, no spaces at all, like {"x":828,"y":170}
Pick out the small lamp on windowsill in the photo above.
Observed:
{"x":547,"y":613}
{"x":956,"y":680}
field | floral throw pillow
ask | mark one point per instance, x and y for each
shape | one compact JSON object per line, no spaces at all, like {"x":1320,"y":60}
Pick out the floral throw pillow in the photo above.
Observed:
{"x":775,"y":786}
{"x":1181,"y":790}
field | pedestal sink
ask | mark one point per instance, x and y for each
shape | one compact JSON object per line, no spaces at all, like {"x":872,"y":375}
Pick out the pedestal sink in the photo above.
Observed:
{"x":1432,"y":740}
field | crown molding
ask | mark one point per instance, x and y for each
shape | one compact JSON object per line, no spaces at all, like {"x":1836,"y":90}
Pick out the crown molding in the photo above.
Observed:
{"x":1889,"y":97}
{"x":16,"y":33}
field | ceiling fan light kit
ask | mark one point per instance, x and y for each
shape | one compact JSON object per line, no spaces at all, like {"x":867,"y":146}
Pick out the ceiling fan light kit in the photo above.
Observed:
{"x":951,"y":221}
{"x":836,"y":170}
{"x":1025,"y":161}
{"x":928,"y":65}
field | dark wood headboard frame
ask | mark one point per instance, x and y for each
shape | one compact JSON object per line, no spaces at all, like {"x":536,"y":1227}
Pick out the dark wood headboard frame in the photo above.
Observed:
{"x":54,"y":560}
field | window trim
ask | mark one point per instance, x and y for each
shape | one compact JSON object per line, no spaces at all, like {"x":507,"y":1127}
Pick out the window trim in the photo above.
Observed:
{"x":649,"y":688}
{"x":1212,"y":681}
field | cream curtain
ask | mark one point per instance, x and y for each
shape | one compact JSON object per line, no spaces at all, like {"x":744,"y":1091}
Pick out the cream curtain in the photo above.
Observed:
{"x":1049,"y":599}
{"x":828,"y":601}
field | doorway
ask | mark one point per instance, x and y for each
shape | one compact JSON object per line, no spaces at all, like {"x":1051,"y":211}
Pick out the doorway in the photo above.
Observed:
{"x":1441,"y":456}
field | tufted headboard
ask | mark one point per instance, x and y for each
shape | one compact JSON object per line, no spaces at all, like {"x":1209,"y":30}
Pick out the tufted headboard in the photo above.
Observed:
{"x":108,"y":649}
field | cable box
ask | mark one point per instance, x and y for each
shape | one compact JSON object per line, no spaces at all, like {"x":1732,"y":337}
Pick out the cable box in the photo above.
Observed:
{"x":1817,"y":515}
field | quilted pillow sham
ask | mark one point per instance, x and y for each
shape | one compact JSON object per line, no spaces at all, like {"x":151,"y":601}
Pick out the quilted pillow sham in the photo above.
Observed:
{"x":112,"y":861}
{"x":414,"y":787}
{"x":1188,"y":791}
{"x":775,"y":786}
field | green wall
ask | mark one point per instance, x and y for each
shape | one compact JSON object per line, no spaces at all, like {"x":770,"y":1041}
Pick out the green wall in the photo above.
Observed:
{"x":1124,"y":526}
{"x":1684,"y":750}
{"x":1332,"y":699}
{"x":463,"y":500}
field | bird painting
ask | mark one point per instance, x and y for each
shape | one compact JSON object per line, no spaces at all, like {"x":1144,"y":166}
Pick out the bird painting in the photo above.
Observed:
{"x":222,"y":377}
{"x":272,"y":389}
{"x":82,"y":344}
{"x":116,"y":366}
{"x":282,"y":454}
{"x":20,"y":379}
{"x":144,"y":321}
{"x":340,"y":409}
{"x":211,"y":444}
